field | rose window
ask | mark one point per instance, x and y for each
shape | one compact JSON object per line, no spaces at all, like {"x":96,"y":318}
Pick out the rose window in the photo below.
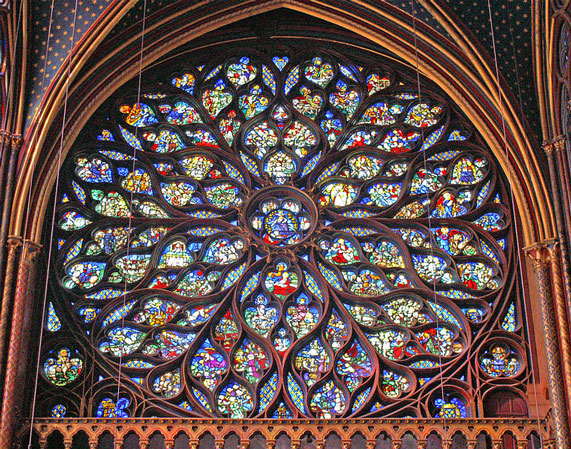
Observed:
{"x":301,"y":236}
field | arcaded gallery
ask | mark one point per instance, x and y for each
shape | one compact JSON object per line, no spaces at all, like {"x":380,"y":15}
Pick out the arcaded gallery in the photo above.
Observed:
{"x":285,"y":224}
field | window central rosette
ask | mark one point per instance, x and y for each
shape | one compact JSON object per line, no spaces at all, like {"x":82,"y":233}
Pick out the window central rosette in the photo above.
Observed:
{"x":291,"y":239}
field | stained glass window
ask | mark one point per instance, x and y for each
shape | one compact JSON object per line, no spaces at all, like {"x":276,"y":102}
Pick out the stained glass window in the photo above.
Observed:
{"x":296,"y":236}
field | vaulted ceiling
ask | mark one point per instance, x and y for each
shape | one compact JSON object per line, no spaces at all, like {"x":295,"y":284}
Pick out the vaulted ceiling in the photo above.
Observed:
{"x":511,"y":21}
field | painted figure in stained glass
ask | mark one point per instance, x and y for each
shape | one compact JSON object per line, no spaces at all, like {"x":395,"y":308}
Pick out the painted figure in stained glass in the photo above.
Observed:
{"x":365,"y":167}
{"x":477,"y":275}
{"x":108,"y":408}
{"x":302,"y":317}
{"x":382,"y":113}
{"x":341,"y":252}
{"x":85,"y":274}
{"x":385,"y":254}
{"x":281,"y":224}
{"x":282,"y":282}
{"x":250,"y":360}
{"x":222,"y":251}
{"x":140,"y":114}
{"x":226,"y":331}
{"x":133,"y":266}
{"x":254,"y":103}
{"x":112,"y":205}
{"x":177,"y":255}
{"x":282,"y":341}
{"x":450,"y":205}
{"x":376,"y":83}
{"x":261,"y":318}
{"x":312,"y":361}
{"x":405,"y":311}
{"x":168,"y":384}
{"x":308,"y":103}
{"x":345,"y":99}
{"x":332,"y":127}
{"x":422,"y":115}
{"x":354,"y":365}
{"x":93,"y":170}
{"x":157,"y":312}
{"x":208,"y":364}
{"x":197,"y":283}
{"x":229,"y":126}
{"x":413,"y":210}
{"x":389,"y":343}
{"x":197,"y":167}
{"x":235,"y":401}
{"x":110,"y":240}
{"x":338,"y":194}
{"x":171,"y":344}
{"x":64,"y":369}
{"x":466,"y":172}
{"x":199,"y":315}
{"x":223,"y":195}
{"x":439,"y":341}
{"x":328,"y":401}
{"x":497,"y":362}
{"x":365,"y":282}
{"x":241,"y":72}
{"x":300,"y":138}
{"x":394,"y":384}
{"x":122,"y":341}
{"x":319,"y":72}
{"x":280,"y":166}
{"x":366,"y":316}
{"x":214,"y":100}
{"x":453,"y":241}
{"x":261,"y":138}
{"x":336,"y":331}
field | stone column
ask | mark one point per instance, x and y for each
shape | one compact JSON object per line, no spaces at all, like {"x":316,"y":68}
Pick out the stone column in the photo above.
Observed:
{"x":540,"y":258}
{"x":14,"y":247}
{"x":13,"y":392}
{"x":561,"y":315}
{"x":561,"y":212}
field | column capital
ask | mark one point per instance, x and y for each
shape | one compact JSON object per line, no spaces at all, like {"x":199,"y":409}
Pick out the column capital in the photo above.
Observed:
{"x":559,"y":143}
{"x":16,"y":142}
{"x":548,"y":147}
{"x":538,"y":253}
{"x":14,"y":241}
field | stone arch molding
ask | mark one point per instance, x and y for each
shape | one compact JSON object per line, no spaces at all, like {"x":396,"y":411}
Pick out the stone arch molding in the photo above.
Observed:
{"x":458,"y":68}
